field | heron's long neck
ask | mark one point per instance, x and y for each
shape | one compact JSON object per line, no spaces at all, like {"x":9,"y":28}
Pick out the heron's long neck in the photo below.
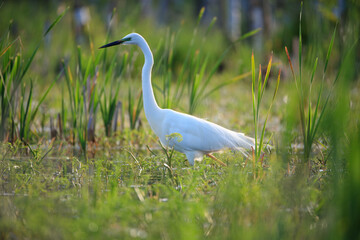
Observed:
{"x":150,"y":106}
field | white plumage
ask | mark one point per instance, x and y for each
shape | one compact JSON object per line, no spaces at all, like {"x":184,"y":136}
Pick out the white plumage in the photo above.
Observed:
{"x":190,"y":135}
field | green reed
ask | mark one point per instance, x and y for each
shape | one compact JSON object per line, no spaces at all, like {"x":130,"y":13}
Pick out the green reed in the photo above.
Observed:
{"x":257,"y":93}
{"x":311,"y":113}
{"x":13,"y":75}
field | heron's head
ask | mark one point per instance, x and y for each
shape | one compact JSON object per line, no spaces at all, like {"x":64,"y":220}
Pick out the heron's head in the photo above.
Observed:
{"x":132,"y":38}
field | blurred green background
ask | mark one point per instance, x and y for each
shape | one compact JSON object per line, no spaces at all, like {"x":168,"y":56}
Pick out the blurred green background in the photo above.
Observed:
{"x":89,"y":21}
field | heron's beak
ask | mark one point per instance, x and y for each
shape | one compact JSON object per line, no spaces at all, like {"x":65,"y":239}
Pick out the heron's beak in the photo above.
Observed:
{"x":116,"y":43}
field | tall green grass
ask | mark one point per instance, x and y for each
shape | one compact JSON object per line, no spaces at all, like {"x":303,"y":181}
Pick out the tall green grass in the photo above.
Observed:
{"x":310,"y":113}
{"x":341,"y":125}
{"x":257,"y":92}
{"x":110,"y":105}
{"x":27,"y":111}
{"x":190,"y":77}
{"x":134,"y":108}
{"x":13,"y":75}
{"x":110,"y":96}
{"x":200,"y":75}
{"x":194,"y":76}
{"x":83,"y":97}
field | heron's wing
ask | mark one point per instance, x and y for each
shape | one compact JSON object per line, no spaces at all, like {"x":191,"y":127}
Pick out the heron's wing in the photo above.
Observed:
{"x":200,"y":135}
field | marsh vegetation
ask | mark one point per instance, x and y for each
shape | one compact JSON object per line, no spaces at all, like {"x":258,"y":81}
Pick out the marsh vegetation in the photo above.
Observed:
{"x":78,"y":159}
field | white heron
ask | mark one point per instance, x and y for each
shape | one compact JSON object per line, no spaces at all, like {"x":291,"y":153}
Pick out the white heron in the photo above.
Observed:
{"x":187,"y":134}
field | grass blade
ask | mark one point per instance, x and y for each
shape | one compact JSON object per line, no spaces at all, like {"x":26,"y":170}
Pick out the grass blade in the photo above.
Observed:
{"x":253,"y":98}
{"x":249,"y":34}
{"x":56,"y":21}
{"x":300,"y":43}
{"x":329,"y":50}
{"x":259,"y":92}
{"x":266,"y":76}
{"x":38,"y":46}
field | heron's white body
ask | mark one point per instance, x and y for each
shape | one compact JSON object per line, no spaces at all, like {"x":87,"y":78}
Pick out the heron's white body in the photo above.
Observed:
{"x":198,"y":136}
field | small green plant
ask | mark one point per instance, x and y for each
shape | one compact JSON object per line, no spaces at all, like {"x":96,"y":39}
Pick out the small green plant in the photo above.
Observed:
{"x":257,"y":92}
{"x":37,"y":154}
{"x":169,"y":153}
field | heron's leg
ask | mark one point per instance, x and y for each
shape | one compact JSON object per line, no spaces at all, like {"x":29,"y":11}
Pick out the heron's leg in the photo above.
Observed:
{"x":190,"y":157}
{"x":217,"y":160}
{"x":194,"y":156}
